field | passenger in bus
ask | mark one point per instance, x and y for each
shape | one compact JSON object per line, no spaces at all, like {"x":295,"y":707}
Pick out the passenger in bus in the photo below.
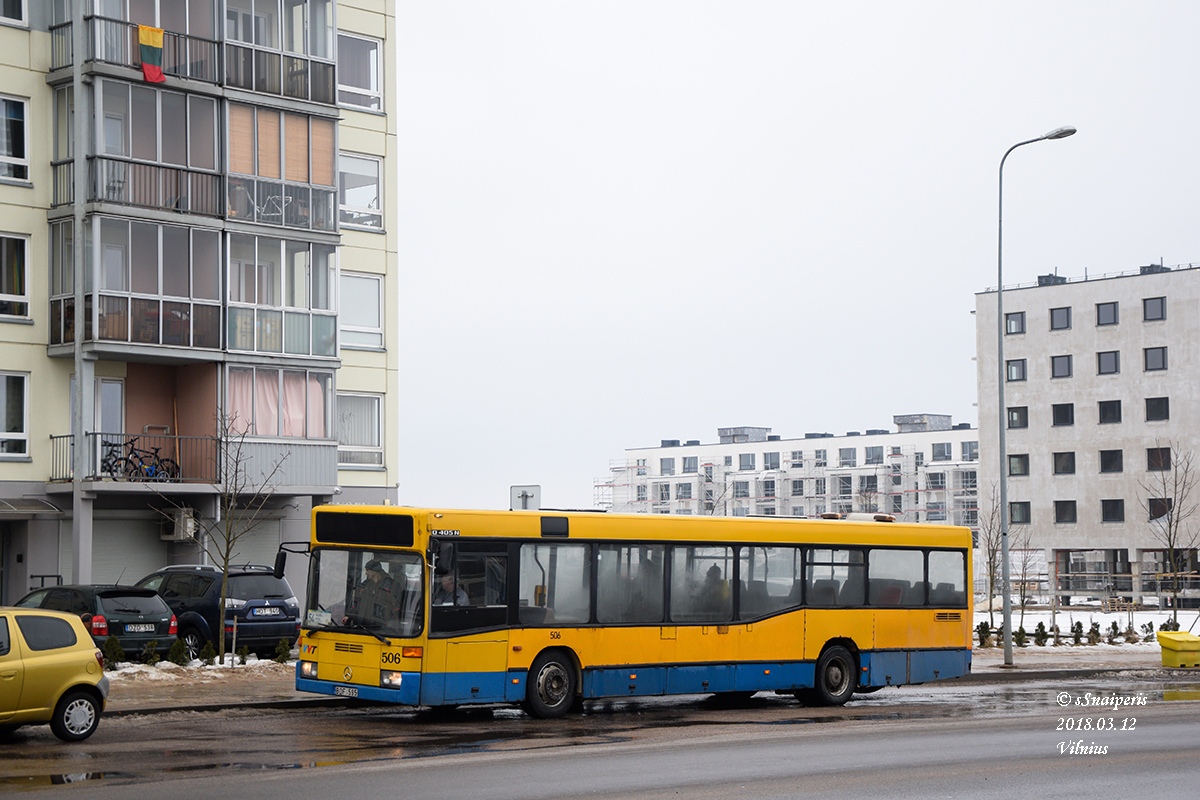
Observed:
{"x":714,"y":596}
{"x":446,"y":593}
{"x":378,"y":598}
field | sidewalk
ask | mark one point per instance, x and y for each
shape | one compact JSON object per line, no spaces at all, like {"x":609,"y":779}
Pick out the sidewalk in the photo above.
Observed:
{"x":266,"y":684}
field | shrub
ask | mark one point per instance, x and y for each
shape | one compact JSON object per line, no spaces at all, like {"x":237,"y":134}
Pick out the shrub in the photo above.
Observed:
{"x":1148,"y":629}
{"x":178,"y":653}
{"x":1040,"y":635}
{"x":1113,"y":632}
{"x":1169,"y":625}
{"x":113,"y":652}
{"x":207,"y":654}
{"x":243,"y":653}
{"x":149,"y":654}
{"x":1131,"y":636}
{"x":1077,"y":632}
{"x":985,"y":633}
{"x":283,"y":651}
{"x":1020,"y":637}
{"x":1093,"y":635}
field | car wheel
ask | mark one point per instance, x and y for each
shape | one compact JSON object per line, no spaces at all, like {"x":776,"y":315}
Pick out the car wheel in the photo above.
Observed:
{"x":193,"y":642}
{"x":76,"y":717}
{"x":551,"y":687}
{"x":835,"y":678}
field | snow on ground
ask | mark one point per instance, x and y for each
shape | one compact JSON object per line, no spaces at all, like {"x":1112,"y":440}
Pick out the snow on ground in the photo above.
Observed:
{"x":1067,"y":616}
{"x":197,"y":670}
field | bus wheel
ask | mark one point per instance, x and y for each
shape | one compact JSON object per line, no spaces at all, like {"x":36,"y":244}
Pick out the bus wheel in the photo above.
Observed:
{"x":550,"y":689}
{"x":835,"y":678}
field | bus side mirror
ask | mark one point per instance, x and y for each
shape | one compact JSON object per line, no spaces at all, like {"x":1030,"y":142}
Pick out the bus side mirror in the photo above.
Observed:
{"x":280,"y":561}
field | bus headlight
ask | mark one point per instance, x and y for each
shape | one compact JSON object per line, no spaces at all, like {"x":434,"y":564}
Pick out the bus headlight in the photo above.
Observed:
{"x":389,"y":679}
{"x":308,"y":669}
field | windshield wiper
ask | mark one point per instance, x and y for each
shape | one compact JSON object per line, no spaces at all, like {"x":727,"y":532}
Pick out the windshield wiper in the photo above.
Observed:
{"x":353,"y":626}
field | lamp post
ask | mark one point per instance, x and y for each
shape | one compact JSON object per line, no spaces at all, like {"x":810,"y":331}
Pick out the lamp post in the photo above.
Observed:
{"x":1002,"y":374}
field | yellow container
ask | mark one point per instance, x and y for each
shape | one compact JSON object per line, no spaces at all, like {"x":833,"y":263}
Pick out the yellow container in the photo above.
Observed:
{"x":1179,"y":649}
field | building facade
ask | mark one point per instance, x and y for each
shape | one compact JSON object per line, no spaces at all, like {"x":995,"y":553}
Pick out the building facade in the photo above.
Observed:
{"x":1102,"y":395}
{"x":178,"y":252}
{"x":924,"y":471}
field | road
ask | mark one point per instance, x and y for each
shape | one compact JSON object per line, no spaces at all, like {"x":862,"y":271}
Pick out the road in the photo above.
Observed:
{"x":989,"y":740}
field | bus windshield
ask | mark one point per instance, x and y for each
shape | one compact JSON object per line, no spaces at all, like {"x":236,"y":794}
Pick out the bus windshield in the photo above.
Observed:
{"x":376,"y":592}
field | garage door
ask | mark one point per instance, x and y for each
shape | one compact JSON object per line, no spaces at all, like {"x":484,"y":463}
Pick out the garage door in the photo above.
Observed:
{"x":259,"y":545}
{"x":126,"y":550}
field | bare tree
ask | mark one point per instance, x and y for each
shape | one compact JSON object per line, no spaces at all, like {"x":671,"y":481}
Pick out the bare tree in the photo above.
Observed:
{"x":868,"y":493}
{"x":989,"y":543}
{"x":246,"y":487}
{"x":1169,"y":505}
{"x":1026,"y":560}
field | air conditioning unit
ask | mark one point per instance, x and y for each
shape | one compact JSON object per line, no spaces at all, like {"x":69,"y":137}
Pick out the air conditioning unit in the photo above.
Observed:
{"x":181,"y":528}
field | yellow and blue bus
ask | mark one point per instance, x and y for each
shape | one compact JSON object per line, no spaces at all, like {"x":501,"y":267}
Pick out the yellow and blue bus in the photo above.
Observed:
{"x":426,"y":607}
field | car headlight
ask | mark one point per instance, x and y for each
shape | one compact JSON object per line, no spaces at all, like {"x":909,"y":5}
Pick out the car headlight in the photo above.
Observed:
{"x":308,"y":669}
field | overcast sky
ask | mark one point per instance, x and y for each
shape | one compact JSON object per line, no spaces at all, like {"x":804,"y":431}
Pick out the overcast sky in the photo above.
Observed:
{"x":622,"y":222}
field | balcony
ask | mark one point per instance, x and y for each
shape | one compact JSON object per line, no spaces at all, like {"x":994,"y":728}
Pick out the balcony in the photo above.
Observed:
{"x":130,"y":183}
{"x":115,"y":41}
{"x":138,"y":462}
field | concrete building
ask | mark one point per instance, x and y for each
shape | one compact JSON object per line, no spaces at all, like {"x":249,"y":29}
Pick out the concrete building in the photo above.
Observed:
{"x":924,"y":471}
{"x":176,"y":253}
{"x":1102,"y":396}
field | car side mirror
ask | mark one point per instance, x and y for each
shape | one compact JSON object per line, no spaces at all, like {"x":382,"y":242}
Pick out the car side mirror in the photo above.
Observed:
{"x":280,"y":561}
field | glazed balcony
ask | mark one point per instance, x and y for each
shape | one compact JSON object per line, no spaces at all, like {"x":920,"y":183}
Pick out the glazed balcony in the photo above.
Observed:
{"x":114,"y":41}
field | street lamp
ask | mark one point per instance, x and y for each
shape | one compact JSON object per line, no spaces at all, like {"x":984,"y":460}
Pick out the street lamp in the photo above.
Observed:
{"x":1002,"y":373}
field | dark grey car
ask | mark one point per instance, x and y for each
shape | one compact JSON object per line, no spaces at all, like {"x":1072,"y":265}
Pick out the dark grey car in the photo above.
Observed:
{"x":135,"y":616}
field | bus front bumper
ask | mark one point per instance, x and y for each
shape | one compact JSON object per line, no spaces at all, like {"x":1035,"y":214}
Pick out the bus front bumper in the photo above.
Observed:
{"x":408,"y":693}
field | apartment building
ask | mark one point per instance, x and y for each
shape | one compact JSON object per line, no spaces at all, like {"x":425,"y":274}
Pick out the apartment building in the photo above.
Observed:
{"x":923,"y":471}
{"x":192,"y":192}
{"x":1101,"y":400}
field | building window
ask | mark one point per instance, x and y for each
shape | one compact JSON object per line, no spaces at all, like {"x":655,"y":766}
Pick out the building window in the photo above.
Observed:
{"x":1159,"y":507}
{"x":968,"y":479}
{"x":1111,"y":461}
{"x":768,"y":488}
{"x":691,"y":465}
{"x":919,"y":459}
{"x":745,"y":461}
{"x":935,"y":512}
{"x":641,"y":492}
{"x":708,"y":473}
{"x":359,"y":191}
{"x":360,"y":426}
{"x":1018,"y":464}
{"x":740,"y":512}
{"x":1154,"y":308}
{"x":1064,"y":511}
{"x":845,"y":485}
{"x":1060,"y":318}
{"x":640,"y":464}
{"x":797,"y":511}
{"x":868,"y":484}
{"x":1015,"y":370}
{"x":770,"y":460}
{"x":819,"y":487}
{"x":797,"y":488}
{"x":1112,"y":510}
{"x":14,"y":401}
{"x":1158,"y":408}
{"x":1156,"y":358}
{"x":935,"y":481}
{"x":1064,"y":463}
{"x":1018,"y":513}
{"x":14,"y":277}
{"x":1060,"y":366}
{"x":663,"y":492}
{"x":897,"y":504}
{"x":683,"y":491}
{"x":292,"y":403}
{"x":970,"y":451}
{"x":1018,"y":417}
{"x":358,"y":72}
{"x":1063,"y":413}
{"x":943,"y":451}
{"x":797,"y":459}
{"x":819,"y":459}
{"x":873,"y":455}
{"x":1014,"y":322}
{"x":1108,"y":362}
{"x":741,"y":489}
{"x":362,"y":303}
{"x":1110,"y":411}
{"x":262,"y":67}
{"x":666,"y":466}
{"x":1158,"y":459}
{"x":729,"y":461}
{"x":13,"y":10}
{"x":847,"y":457}
{"x":1106,"y":313}
{"x":14,"y":138}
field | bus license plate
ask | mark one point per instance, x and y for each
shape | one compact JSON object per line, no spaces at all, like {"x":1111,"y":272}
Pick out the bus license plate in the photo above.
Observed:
{"x":346,"y":691}
{"x":266,"y":612}
{"x":140,"y":627}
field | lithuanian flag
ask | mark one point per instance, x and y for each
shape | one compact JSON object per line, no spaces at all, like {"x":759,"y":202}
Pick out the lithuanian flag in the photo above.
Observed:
{"x":150,"y":40}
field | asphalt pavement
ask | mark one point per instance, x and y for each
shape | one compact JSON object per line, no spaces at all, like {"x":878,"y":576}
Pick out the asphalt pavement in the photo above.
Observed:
{"x":266,"y":684}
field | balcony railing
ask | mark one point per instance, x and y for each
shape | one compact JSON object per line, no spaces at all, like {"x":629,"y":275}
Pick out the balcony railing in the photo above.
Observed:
{"x":131,"y":183}
{"x":142,"y":458}
{"x":115,"y":41}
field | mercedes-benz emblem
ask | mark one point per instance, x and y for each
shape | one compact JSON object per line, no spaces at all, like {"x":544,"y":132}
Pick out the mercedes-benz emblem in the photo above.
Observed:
{"x":347,"y":674}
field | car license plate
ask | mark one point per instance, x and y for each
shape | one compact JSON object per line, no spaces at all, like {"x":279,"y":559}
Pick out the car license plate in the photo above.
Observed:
{"x":140,"y":627}
{"x":270,"y":611}
{"x":346,"y":691}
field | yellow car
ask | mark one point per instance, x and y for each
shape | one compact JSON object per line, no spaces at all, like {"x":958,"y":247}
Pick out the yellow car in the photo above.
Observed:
{"x":50,"y":671}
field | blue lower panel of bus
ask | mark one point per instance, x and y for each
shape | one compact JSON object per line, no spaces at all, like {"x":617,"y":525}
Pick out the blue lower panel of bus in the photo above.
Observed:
{"x":408,"y":694}
{"x":695,"y":679}
{"x":440,"y":688}
{"x":896,"y":667}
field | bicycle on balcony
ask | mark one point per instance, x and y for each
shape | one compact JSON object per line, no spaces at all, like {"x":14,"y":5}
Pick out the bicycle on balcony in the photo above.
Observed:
{"x":144,"y":465}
